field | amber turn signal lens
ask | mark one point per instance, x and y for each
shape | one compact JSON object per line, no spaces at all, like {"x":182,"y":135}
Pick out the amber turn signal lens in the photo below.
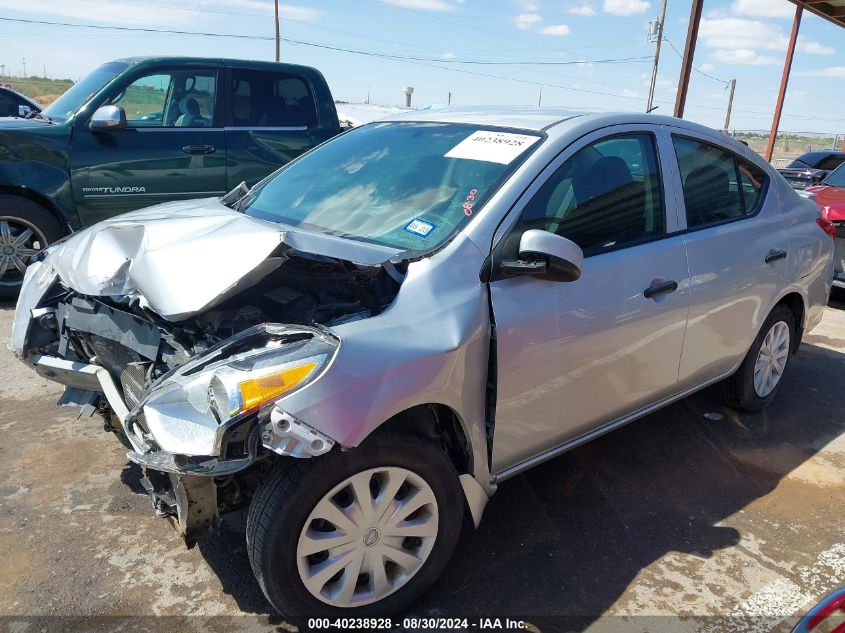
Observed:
{"x":256,"y":391}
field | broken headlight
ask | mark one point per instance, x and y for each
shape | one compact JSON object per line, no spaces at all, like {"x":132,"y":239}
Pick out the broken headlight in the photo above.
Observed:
{"x":190,"y":409}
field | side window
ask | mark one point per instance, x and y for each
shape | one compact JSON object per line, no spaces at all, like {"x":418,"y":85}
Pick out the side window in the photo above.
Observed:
{"x":269,"y":99}
{"x":753,"y":181}
{"x":709,"y":177}
{"x":717,"y":185}
{"x":8,"y":106}
{"x":831,"y":162}
{"x":183,"y":98}
{"x":605,"y":196}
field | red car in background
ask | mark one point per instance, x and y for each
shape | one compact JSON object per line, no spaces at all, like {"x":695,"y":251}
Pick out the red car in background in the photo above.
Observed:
{"x":830,"y":196}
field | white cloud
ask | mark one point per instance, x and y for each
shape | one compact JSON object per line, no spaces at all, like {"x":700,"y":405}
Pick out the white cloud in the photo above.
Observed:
{"x":424,"y":5}
{"x":740,"y":41}
{"x":708,"y":68}
{"x":555,"y":29}
{"x":583,"y":9}
{"x":815,"y":48}
{"x":109,"y":13}
{"x":832,"y":71}
{"x":448,"y":55}
{"x":745,"y":57}
{"x":527,"y":21}
{"x":626,"y":7}
{"x":630,"y":94}
{"x":763,"y":8}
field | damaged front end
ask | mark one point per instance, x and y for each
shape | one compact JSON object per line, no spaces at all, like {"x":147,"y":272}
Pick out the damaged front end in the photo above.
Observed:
{"x":198,"y":400}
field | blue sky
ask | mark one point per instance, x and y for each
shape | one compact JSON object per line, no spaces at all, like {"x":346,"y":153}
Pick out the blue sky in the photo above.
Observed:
{"x":741,"y":39}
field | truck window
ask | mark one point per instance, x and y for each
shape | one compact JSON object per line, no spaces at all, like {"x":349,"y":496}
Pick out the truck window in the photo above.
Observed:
{"x":180,"y":98}
{"x":269,"y":99}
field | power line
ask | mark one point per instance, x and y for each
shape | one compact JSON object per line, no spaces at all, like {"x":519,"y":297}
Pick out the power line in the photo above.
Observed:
{"x":327,"y":46}
{"x":698,"y":70}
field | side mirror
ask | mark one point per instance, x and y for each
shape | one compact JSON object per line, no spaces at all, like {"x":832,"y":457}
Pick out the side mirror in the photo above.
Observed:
{"x":23,"y":111}
{"x":108,"y":118}
{"x":546,"y":255}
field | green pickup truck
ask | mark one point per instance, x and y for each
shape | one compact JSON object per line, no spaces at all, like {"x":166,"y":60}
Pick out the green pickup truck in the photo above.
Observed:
{"x":136,"y":132}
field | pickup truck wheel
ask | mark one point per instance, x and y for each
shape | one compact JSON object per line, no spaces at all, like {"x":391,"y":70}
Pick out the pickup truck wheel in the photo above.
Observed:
{"x":361,"y":533}
{"x":755,"y":384}
{"x":25,"y":228}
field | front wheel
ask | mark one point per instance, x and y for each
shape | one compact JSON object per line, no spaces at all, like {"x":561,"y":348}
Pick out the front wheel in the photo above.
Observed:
{"x":754,"y":385}
{"x":361,"y":533}
{"x":25,"y":228}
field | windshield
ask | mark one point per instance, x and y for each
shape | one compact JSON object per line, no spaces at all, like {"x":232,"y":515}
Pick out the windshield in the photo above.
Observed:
{"x":405,"y":185}
{"x":837,"y":178}
{"x":76,"y":96}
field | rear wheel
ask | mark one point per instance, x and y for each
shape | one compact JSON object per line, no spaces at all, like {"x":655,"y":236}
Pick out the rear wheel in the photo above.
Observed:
{"x":25,"y":228}
{"x":755,"y":384}
{"x":357,"y":533}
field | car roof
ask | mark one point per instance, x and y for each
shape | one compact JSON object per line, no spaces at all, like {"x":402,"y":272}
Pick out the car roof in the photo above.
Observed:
{"x":820,"y":155}
{"x":539,"y":119}
{"x":214,"y":61}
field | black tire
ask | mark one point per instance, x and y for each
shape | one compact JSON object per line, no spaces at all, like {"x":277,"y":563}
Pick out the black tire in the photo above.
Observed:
{"x":738,"y":390}
{"x":286,"y":498}
{"x":20,"y":214}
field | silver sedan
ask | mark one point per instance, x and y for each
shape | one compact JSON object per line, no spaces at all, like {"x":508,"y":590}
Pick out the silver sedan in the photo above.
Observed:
{"x":364,"y":345}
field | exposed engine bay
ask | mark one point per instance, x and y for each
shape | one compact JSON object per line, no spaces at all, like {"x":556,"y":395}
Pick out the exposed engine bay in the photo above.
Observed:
{"x":193,"y":400}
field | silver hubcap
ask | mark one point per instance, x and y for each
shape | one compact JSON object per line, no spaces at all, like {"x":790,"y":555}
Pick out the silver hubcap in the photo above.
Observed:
{"x":771,"y":359}
{"x":367,"y":537}
{"x":19,"y":240}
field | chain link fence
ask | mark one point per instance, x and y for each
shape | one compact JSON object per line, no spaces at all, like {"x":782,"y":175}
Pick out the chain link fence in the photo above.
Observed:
{"x":789,"y":145}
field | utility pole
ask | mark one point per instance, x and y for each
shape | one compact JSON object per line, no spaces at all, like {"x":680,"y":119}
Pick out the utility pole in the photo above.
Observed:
{"x":23,"y":59}
{"x":278,"y":39}
{"x":540,"y":98}
{"x":449,"y":101}
{"x":689,"y":54}
{"x":730,"y":104}
{"x":649,"y":107}
{"x":3,"y":70}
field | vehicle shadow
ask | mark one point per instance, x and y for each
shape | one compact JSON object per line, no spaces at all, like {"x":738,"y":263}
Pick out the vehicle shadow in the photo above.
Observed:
{"x":568,"y":537}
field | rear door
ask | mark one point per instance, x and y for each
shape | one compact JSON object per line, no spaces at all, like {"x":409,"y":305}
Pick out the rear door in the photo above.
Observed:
{"x":575,"y":356}
{"x":738,"y":248}
{"x":271,"y":119}
{"x":173,"y":148}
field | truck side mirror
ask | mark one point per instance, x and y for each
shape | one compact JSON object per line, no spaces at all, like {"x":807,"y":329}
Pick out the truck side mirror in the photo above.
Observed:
{"x":108,"y":118}
{"x":546,"y":255}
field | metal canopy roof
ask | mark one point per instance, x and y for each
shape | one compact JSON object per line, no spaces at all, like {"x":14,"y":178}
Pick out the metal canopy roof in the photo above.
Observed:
{"x":833,"y":10}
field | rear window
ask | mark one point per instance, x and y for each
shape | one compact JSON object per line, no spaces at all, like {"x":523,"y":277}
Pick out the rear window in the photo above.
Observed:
{"x":269,"y":99}
{"x":831,"y":162}
{"x":718,"y":186}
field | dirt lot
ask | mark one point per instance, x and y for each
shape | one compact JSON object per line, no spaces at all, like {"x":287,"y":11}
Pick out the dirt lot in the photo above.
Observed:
{"x":733,"y":523}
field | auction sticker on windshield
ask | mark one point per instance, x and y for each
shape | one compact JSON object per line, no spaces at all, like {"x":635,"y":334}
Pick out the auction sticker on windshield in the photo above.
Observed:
{"x":493,"y":147}
{"x":420,"y":227}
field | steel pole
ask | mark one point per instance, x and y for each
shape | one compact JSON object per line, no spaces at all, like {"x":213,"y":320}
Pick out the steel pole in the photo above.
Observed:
{"x":784,"y":81}
{"x":656,"y":57}
{"x":278,"y":38}
{"x":689,"y":55}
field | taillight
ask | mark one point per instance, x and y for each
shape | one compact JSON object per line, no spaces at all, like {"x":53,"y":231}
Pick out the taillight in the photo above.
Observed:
{"x":827,"y":226}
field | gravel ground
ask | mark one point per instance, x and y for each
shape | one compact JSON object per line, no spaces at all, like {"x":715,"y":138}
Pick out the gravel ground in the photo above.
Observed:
{"x":678,"y":522}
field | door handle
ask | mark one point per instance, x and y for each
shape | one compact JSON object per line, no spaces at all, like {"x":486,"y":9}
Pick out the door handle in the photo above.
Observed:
{"x":199,"y":149}
{"x":664,"y":288}
{"x":774,"y":255}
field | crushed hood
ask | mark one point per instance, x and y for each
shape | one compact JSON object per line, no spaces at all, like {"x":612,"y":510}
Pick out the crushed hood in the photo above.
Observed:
{"x":180,"y":258}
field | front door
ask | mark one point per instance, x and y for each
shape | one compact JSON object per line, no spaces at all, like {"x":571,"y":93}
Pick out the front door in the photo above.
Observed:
{"x":171,"y":149}
{"x":575,"y":356}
